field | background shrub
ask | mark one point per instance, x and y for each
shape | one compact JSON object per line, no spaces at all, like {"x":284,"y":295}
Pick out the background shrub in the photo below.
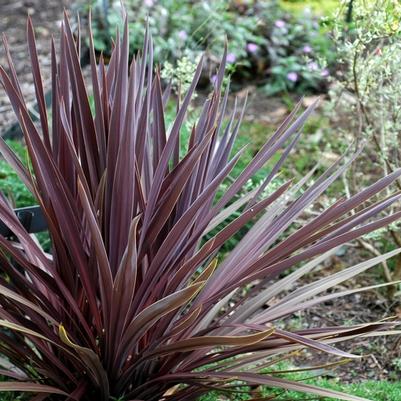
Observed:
{"x":366,"y":104}
{"x":279,"y":50}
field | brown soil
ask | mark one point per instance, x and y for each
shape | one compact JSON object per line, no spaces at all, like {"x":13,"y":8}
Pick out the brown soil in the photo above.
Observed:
{"x":46,"y":15}
{"x":380,"y":354}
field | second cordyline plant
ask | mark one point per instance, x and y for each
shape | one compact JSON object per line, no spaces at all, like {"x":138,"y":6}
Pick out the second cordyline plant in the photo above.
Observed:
{"x":132,"y":304}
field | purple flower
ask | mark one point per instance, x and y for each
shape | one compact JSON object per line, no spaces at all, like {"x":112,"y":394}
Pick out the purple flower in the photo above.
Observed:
{"x":307,"y":49}
{"x":213,"y":79}
{"x":313,"y":66}
{"x":183,"y":35}
{"x":252,"y":47}
{"x":149,"y":3}
{"x":325,"y":73}
{"x":231,"y":57}
{"x":280,"y":23}
{"x":292,"y":76}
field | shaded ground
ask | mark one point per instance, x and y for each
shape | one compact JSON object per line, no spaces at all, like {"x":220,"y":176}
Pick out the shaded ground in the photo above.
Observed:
{"x":46,"y":15}
{"x":381,"y":355}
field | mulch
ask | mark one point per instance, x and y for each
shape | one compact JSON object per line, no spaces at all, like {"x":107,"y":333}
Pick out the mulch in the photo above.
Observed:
{"x":380,"y":355}
{"x":46,"y":16}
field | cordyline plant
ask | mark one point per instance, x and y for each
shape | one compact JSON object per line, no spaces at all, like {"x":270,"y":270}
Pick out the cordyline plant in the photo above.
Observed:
{"x":132,"y":303}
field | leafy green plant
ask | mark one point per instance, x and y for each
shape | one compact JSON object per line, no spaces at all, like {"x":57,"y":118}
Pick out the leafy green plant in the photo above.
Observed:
{"x":266,"y":43}
{"x":10,"y":183}
{"x":300,"y":54}
{"x":180,"y":29}
{"x":132,"y":303}
{"x":365,"y":95}
{"x":14,"y":188}
{"x":179,"y":76}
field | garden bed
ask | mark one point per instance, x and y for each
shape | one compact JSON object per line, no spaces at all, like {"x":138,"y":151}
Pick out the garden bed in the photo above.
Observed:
{"x":383,"y":355}
{"x":46,"y":16}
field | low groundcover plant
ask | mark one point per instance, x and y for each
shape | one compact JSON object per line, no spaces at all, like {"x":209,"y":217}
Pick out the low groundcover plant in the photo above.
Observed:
{"x":132,"y":303}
